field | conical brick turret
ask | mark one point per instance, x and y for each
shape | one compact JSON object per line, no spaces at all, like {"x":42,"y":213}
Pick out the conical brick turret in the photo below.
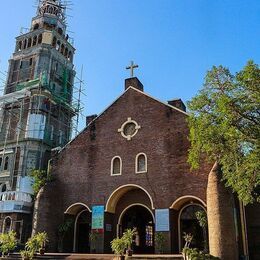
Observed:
{"x":220,"y":209}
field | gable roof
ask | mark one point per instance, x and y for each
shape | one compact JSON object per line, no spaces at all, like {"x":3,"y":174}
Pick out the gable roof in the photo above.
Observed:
{"x":128,"y":89}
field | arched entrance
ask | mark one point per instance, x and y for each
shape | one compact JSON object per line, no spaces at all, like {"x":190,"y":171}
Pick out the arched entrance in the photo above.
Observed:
{"x":189,"y":224}
{"x":141,"y":219}
{"x":184,"y":220}
{"x":82,"y":231}
{"x":131,"y":206}
{"x":78,"y":239}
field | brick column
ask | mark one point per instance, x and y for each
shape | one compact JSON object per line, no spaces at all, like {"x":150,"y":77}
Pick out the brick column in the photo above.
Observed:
{"x":221,"y":223}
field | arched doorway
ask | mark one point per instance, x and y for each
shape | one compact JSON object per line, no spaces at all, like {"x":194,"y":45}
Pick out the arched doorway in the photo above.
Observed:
{"x":141,"y":219}
{"x":189,"y":224}
{"x":131,"y":206}
{"x":77,"y":238}
{"x":82,"y":231}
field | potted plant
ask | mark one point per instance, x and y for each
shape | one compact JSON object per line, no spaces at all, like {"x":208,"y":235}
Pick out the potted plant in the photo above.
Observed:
{"x":128,"y":238}
{"x":160,"y":241}
{"x":42,"y":238}
{"x":186,"y":250}
{"x":93,"y":239}
{"x":26,"y":255}
{"x":32,"y":245}
{"x":8,"y":242}
{"x":62,"y":231}
{"x":118,"y":246}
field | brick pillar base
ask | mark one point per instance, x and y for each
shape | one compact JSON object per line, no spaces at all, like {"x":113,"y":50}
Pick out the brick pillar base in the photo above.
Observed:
{"x":221,"y":224}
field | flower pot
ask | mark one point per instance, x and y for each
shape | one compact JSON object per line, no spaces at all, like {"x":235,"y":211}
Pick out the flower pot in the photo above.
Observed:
{"x":41,"y":251}
{"x":129,"y":252}
{"x":122,"y":257}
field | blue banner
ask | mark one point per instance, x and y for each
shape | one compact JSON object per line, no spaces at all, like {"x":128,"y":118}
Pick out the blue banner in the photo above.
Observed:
{"x":162,"y":220}
{"x":97,"y":217}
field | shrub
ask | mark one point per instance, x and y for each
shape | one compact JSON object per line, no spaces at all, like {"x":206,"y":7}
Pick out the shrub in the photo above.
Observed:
{"x":118,"y":246}
{"x":8,"y":242}
{"x":36,"y":242}
{"x":195,"y":254}
{"x":25,"y":254}
{"x":128,"y":237}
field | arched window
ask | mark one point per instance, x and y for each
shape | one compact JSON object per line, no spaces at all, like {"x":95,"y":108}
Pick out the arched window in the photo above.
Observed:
{"x":56,"y":66}
{"x":66,"y":52}
{"x":3,"y":189}
{"x":58,"y":46}
{"x":70,"y":56}
{"x":24,"y":44}
{"x":19,"y":45}
{"x":55,"y":11}
{"x":54,"y":41}
{"x":40,"y":39}
{"x":34,"y":40}
{"x":36,"y":26}
{"x":116,"y":166}
{"x":60,"y":31}
{"x":6,"y":165}
{"x":1,"y":160}
{"x":51,"y":10}
{"x":62,"y":49}
{"x":141,"y":163}
{"x":29,"y":44}
{"x":7,"y":225}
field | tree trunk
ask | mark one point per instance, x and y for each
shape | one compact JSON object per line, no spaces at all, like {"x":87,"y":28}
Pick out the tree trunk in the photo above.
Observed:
{"x":35,"y":222}
{"x":221,"y":222}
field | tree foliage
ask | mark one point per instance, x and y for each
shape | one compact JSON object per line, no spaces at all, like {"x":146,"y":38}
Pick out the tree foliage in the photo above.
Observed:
{"x":224,"y":126}
{"x":40,"y":178}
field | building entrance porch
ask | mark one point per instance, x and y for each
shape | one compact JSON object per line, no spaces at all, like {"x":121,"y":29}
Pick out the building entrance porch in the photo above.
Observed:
{"x":140,"y":219}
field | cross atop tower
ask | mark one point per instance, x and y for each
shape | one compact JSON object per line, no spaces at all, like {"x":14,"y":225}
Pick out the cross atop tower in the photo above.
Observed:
{"x":131,"y":68}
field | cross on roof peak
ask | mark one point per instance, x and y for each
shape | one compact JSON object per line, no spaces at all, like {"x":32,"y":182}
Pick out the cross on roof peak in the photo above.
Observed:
{"x":131,"y":68}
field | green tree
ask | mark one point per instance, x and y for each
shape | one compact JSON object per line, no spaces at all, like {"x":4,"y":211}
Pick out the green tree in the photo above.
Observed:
{"x":40,"y":178}
{"x":224,"y":126}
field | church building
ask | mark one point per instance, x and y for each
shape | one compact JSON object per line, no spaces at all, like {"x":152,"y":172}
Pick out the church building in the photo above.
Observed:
{"x":128,"y":169}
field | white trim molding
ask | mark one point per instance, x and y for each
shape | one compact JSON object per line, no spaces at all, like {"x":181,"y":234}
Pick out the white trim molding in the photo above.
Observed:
{"x":136,"y":163}
{"x":112,"y":166}
{"x":119,"y":192}
{"x":74,"y":208}
{"x":177,"y":204}
{"x":125,"y":209}
{"x":122,"y":128}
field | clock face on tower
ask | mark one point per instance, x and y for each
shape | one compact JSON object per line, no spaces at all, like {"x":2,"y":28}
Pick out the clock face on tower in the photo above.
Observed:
{"x":129,"y":129}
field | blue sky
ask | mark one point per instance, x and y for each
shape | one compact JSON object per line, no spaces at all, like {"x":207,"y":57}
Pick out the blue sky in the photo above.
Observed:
{"x":174,"y":42}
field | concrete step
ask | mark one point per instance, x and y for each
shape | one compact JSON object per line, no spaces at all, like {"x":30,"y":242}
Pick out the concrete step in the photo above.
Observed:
{"x":72,"y":256}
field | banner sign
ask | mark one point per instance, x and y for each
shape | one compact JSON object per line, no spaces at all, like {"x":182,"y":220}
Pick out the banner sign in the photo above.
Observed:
{"x":97,"y":217}
{"x":162,"y":220}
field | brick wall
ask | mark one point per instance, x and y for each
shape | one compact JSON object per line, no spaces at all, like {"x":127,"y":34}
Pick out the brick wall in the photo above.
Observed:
{"x":82,"y":168}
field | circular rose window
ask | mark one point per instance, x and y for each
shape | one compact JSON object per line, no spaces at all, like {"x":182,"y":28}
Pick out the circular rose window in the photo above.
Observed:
{"x":129,"y":129}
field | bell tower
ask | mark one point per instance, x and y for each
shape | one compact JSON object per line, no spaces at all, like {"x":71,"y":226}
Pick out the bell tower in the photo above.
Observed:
{"x":36,"y":110}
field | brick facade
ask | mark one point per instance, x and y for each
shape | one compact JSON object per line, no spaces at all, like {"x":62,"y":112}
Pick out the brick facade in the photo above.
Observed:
{"x":82,"y":172}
